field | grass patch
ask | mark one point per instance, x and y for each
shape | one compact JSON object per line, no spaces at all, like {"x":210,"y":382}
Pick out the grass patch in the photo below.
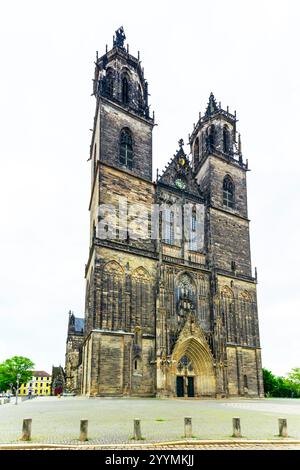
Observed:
{"x":161,"y":420}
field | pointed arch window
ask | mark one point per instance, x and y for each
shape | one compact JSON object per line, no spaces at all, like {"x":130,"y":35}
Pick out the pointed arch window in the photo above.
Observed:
{"x":125,"y":90}
{"x":126,"y":149}
{"x":226,"y":139}
{"x":193,"y":233}
{"x":185,"y":293}
{"x":196,"y":152}
{"x":194,"y":220}
{"x":109,"y":84}
{"x":228,"y":192}
{"x":169,"y":226}
{"x":227,"y":306}
{"x":140,"y":98}
{"x":211,"y":137}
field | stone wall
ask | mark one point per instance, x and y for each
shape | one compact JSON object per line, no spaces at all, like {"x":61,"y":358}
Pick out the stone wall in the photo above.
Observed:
{"x":110,"y":361}
{"x":117,"y":186}
{"x":229,"y":239}
{"x":73,"y":360}
{"x":244,"y":372}
{"x":113,"y":118}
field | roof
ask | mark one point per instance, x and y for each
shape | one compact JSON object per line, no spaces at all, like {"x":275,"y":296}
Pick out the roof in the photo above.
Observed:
{"x":76,"y":324}
{"x":79,"y":324}
{"x":179,"y":167}
{"x":40,"y":373}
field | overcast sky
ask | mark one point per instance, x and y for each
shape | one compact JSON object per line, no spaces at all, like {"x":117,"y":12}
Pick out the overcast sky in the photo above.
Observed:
{"x":246,"y":52}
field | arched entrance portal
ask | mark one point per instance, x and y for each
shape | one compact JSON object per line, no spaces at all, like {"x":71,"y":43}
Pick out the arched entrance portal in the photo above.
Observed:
{"x":192,"y":368}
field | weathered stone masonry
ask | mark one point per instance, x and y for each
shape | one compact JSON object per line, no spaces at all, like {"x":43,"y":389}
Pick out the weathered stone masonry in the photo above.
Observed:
{"x":167,"y":316}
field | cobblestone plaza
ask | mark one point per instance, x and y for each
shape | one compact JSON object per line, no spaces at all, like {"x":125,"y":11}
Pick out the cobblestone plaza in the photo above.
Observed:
{"x":57,"y":420}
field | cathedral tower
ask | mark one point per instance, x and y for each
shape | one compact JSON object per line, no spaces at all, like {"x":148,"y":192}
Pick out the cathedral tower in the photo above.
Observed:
{"x":120,"y":273}
{"x":221,"y":172}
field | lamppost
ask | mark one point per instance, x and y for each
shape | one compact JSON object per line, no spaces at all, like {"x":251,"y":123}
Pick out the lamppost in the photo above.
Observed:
{"x":11,"y":388}
{"x":17,"y":391}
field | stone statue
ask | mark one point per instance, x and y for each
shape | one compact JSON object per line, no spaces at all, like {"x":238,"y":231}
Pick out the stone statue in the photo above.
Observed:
{"x":119,"y":38}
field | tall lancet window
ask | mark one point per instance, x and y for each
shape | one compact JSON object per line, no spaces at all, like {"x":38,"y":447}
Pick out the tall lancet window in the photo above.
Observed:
{"x":109,"y":84}
{"x":126,"y":148}
{"x":211,"y":138}
{"x":226,"y":139}
{"x":193,"y":231}
{"x":228,"y":192}
{"x":140,"y":98}
{"x":196,"y":153}
{"x":169,"y":226}
{"x":125,"y":89}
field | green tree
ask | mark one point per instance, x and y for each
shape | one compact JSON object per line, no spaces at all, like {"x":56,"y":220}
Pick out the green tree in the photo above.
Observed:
{"x":294,"y":381}
{"x":270,"y":382}
{"x":13,"y":366}
{"x":294,"y":376}
{"x":288,"y":387}
{"x":283,"y":388}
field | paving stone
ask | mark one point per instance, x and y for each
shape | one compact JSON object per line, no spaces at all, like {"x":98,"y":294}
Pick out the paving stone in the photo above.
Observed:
{"x":57,"y":421}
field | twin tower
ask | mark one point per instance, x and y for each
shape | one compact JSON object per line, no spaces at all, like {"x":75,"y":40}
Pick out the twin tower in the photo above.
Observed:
{"x":170,"y":306}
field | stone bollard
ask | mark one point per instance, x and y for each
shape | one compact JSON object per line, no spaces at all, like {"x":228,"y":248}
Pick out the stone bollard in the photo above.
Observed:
{"x":188,"y":426}
{"x":83,"y":430}
{"x":282,"y":424}
{"x":236,"y":424}
{"x":26,"y":431}
{"x":137,"y":433}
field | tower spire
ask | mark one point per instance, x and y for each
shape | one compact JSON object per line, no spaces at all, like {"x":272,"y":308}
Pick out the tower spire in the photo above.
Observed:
{"x":212,"y":106}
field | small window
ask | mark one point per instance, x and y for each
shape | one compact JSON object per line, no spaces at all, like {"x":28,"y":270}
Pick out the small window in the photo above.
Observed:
{"x":137,"y":364}
{"x":125,"y":90}
{"x":245,"y":381}
{"x":126,"y":150}
{"x":228,"y":192}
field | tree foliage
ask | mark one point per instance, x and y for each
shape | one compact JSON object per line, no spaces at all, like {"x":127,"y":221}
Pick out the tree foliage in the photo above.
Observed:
{"x":294,"y":376}
{"x":13,"y":366}
{"x":276,"y":386}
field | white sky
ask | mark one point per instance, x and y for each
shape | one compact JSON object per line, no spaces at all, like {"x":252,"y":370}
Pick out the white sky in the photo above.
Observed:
{"x":246,"y":52}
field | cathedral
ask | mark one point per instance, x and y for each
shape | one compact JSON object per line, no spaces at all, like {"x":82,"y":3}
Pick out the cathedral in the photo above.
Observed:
{"x":170,"y":303}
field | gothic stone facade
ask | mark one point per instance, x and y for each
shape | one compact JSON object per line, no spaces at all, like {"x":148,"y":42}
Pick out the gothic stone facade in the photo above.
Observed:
{"x":164,"y":316}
